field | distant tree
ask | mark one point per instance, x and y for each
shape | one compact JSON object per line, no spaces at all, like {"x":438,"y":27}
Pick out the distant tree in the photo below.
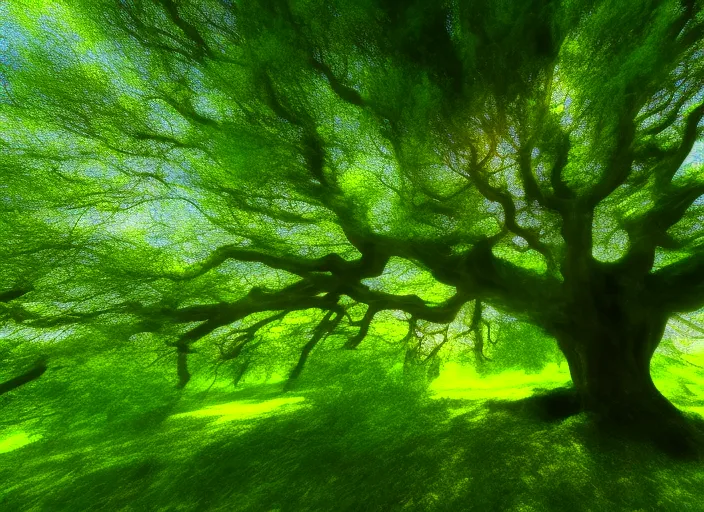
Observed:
{"x":206,"y":169}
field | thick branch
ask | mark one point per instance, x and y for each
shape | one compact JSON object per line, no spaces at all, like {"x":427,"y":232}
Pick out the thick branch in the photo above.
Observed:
{"x":530,"y":184}
{"x":561,"y":189}
{"x":411,"y":304}
{"x":345,"y":93}
{"x":188,"y":29}
{"x":650,"y":230}
{"x":476,"y":328}
{"x":669,"y":167}
{"x":506,"y":201}
{"x":369,"y":265}
{"x":679,"y":287}
{"x":621,"y":161}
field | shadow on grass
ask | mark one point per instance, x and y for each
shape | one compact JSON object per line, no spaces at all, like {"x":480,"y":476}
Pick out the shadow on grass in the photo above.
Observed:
{"x":345,"y":448}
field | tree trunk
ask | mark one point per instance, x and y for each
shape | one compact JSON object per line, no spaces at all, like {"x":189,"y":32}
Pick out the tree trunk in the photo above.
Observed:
{"x":608,"y":350}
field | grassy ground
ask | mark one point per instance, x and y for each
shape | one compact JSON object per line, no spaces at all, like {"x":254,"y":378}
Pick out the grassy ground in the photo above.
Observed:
{"x":343,"y":446}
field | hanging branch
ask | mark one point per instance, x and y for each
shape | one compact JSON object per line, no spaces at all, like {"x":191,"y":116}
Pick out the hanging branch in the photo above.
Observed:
{"x":476,"y":328}
{"x":412,"y":323}
{"x":353,"y":342}
{"x":240,"y":372}
{"x":488,"y":332}
{"x":437,"y":347}
{"x":323,"y":329}
{"x":246,"y":336}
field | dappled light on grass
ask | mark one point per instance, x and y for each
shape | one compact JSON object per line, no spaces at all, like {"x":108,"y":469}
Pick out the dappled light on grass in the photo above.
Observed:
{"x":355,"y":256}
{"x":244,"y":409}
{"x":681,"y":380}
{"x":358,"y":441}
{"x":463,"y":382}
{"x":15,"y":440}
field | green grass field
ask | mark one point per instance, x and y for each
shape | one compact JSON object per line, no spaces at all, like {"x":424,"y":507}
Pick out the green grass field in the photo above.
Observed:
{"x":356,"y":444}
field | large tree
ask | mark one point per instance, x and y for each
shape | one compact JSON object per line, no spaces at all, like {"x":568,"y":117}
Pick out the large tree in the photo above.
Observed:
{"x":207,"y":170}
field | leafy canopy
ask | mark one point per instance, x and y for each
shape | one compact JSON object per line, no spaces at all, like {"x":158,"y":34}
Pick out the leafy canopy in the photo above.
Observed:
{"x":242,"y":178}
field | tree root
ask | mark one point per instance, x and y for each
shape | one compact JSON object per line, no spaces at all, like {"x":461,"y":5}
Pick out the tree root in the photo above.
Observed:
{"x":668,"y":431}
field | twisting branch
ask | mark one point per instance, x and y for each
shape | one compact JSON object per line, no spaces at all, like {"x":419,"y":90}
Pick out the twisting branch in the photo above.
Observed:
{"x":673,"y":204}
{"x":476,"y":328}
{"x":530,"y":184}
{"x":240,"y":372}
{"x":201,"y":47}
{"x":648,"y":231}
{"x":679,"y":287}
{"x":183,"y":348}
{"x":246,"y":336}
{"x":353,"y":342}
{"x":557,"y":181}
{"x":271,"y":99}
{"x":153,"y":37}
{"x":502,"y":197}
{"x":345,"y":93}
{"x":412,"y":325}
{"x":620,"y":164}
{"x":298,"y":296}
{"x":437,"y":347}
{"x":298,"y":266}
{"x":21,"y":315}
{"x":186,"y":112}
{"x":666,"y":170}
{"x":668,"y":120}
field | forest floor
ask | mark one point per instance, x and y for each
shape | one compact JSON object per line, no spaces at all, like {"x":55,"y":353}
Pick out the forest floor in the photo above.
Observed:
{"x":346,"y":446}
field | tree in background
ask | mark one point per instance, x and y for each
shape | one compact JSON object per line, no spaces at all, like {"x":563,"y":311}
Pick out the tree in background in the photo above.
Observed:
{"x":237,"y":175}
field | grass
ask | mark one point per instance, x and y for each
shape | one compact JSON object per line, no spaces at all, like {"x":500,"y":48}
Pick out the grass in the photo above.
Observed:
{"x":348,"y":444}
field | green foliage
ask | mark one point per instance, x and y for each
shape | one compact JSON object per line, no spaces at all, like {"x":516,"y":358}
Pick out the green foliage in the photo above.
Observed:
{"x":366,"y":444}
{"x":207,"y":201}
{"x":522,"y":346}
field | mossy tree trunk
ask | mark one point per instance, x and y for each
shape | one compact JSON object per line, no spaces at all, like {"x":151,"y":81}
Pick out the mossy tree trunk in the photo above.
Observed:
{"x":609,"y":341}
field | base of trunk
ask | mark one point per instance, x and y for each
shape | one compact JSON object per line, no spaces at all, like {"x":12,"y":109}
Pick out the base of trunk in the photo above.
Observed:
{"x":655,"y":422}
{"x":556,"y":404}
{"x":661,"y":425}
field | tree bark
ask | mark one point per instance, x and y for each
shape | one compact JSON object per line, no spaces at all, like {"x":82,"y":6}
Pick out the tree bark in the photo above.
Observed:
{"x":608,"y":345}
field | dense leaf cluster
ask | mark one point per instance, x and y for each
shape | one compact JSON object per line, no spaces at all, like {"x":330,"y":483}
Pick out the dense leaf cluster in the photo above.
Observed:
{"x":236,"y":179}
